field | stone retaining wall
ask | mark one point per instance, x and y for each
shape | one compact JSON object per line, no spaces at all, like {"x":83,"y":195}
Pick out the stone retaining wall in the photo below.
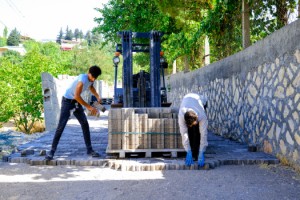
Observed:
{"x":254,"y":95}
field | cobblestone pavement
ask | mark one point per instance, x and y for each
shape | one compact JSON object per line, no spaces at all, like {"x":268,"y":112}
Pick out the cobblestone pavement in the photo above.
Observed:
{"x":71,"y":151}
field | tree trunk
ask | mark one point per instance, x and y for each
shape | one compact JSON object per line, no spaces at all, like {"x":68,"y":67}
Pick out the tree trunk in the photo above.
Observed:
{"x":282,"y":13}
{"x":206,"y":51}
{"x":186,"y":64}
{"x":174,"y":67}
{"x":245,"y":24}
{"x":298,"y":9}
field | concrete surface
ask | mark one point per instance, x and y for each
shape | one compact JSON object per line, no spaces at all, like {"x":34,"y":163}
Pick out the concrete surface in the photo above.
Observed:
{"x":263,"y":182}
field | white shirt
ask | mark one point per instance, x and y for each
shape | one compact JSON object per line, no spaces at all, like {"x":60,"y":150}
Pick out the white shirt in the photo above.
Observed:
{"x":193,"y":102}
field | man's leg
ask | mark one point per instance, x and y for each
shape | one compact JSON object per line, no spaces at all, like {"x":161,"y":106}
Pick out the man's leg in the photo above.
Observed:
{"x":194,"y":138}
{"x":81,"y":117}
{"x":63,"y":119}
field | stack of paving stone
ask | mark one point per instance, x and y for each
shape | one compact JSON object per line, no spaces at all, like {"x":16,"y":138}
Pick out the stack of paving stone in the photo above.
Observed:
{"x":143,"y":128}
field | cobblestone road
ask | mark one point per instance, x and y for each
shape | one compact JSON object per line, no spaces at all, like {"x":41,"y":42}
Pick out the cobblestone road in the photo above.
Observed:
{"x":71,"y":151}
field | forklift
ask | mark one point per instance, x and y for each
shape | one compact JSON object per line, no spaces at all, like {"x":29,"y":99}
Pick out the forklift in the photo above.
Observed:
{"x":142,"y":89}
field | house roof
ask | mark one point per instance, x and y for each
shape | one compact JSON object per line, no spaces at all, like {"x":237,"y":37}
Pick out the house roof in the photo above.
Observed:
{"x":19,"y":49}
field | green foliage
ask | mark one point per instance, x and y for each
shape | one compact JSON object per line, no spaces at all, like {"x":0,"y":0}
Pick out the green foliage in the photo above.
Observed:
{"x":268,"y":16}
{"x":20,"y":87}
{"x":2,"y":42}
{"x":134,"y":15}
{"x":177,"y":20}
{"x":20,"y":93}
{"x":59,"y":36}
{"x":185,"y":10}
{"x":77,"y":34}
{"x":223,"y":27}
{"x":69,"y":34}
{"x":5,"y":31}
{"x":13,"y":38}
{"x":186,"y":23}
{"x":13,"y":56}
{"x":29,"y":96}
{"x":93,"y":55}
{"x":7,"y":84}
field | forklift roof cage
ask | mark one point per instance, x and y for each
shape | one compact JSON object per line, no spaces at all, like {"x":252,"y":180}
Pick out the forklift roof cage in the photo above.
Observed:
{"x":127,"y":48}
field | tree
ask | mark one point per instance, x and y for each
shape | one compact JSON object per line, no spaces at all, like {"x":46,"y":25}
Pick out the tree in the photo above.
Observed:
{"x":14,"y":56}
{"x":76,"y":34}
{"x":13,"y":38}
{"x":187,"y":15}
{"x":119,"y":16}
{"x":59,"y":36}
{"x":268,"y":16}
{"x":20,"y":92}
{"x":83,"y":58}
{"x":69,"y":34}
{"x":222,"y":25}
{"x":246,"y":24}
{"x":127,"y":15}
{"x":7,"y":102}
{"x":2,"y":41}
{"x":96,"y":38}
{"x":298,"y":9}
{"x":5,"y":32}
{"x":88,"y":37}
{"x":80,"y":34}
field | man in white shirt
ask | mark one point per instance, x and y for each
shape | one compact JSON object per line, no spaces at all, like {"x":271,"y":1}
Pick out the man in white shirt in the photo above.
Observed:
{"x":193,"y":127}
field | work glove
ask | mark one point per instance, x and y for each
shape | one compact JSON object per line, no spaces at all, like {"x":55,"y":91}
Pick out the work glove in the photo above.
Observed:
{"x":201,"y":159}
{"x":189,"y":158}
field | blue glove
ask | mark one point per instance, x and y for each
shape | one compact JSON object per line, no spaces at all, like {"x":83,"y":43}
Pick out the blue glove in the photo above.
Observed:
{"x":201,"y":159}
{"x":189,"y":158}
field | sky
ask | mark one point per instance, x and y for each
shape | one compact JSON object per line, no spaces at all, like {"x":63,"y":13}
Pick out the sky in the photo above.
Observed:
{"x":43,"y":19}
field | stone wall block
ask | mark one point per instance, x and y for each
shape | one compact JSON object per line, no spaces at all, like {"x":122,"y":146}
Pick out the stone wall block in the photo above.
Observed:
{"x":297,"y":55}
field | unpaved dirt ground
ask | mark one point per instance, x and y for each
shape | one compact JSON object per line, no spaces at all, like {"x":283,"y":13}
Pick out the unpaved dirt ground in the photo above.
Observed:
{"x":22,"y":181}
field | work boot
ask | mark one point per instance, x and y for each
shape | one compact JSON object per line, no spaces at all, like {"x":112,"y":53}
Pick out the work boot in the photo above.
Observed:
{"x":50,"y":155}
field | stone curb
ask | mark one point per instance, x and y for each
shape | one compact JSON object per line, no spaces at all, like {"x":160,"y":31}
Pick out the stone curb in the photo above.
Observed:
{"x":138,"y":164}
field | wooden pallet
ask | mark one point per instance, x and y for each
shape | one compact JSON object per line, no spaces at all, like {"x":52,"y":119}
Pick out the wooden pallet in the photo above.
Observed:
{"x":148,"y":153}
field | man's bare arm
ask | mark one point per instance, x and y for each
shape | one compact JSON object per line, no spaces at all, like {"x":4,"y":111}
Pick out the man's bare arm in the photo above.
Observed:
{"x":94,"y":92}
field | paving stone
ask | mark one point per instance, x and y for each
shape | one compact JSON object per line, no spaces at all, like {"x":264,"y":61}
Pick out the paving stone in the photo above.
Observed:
{"x":220,"y":151}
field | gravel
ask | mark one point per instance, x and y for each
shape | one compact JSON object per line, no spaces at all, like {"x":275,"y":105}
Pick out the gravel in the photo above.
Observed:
{"x":10,"y":140}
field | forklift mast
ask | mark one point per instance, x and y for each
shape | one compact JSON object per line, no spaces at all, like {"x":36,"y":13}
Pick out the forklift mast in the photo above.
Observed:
{"x":126,"y":49}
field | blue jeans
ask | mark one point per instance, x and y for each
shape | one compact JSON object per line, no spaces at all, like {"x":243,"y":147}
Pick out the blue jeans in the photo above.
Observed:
{"x":66,"y":106}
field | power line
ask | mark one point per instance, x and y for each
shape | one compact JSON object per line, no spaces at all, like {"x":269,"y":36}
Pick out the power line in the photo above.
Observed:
{"x":22,"y":19}
{"x":2,"y":23}
{"x":14,"y":7}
